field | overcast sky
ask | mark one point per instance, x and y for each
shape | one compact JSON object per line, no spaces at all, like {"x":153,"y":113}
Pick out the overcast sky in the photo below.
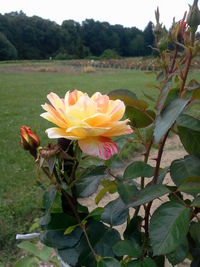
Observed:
{"x":125,"y":12}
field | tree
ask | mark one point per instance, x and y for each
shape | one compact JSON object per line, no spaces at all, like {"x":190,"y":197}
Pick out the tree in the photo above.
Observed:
{"x":7,"y":50}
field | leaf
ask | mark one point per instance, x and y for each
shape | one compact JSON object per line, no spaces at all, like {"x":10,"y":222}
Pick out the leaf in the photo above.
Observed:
{"x":115,"y":212}
{"x":108,"y":262}
{"x":164,"y":93}
{"x":184,"y":168}
{"x":133,"y":229}
{"x":127,"y":190}
{"x":196,"y":202}
{"x":190,"y":185}
{"x":148,"y":194}
{"x":195,"y":232}
{"x":147,"y":262}
{"x":70,"y":229}
{"x":167,"y":117}
{"x":57,"y":238}
{"x":127,"y":247}
{"x":162,"y":174}
{"x":59,"y":221}
{"x":43,"y":253}
{"x":27,"y":262}
{"x":168,"y":227}
{"x":140,"y":118}
{"x":189,"y":133}
{"x":48,"y":198}
{"x":102,"y":240}
{"x":89,"y":181}
{"x":96,"y":213}
{"x":192,"y":85}
{"x":179,"y":254}
{"x":69,"y":255}
{"x":128,"y":97}
{"x":51,"y":163}
{"x":138,"y":169}
{"x":111,"y":188}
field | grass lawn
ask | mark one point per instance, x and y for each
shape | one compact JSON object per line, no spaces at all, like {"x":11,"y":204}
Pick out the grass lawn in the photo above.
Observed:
{"x":21,"y":96}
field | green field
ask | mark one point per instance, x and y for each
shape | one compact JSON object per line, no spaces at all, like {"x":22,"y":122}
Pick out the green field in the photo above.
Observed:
{"x":21,"y":96}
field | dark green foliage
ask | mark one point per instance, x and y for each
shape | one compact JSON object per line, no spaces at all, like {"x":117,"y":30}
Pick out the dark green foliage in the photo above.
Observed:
{"x":7,"y":49}
{"x":37,"y":38}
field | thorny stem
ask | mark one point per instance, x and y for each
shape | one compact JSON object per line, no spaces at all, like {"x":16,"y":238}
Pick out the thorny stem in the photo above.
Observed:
{"x":174,"y":59}
{"x":186,"y":72}
{"x":156,"y":173}
{"x":146,"y":160}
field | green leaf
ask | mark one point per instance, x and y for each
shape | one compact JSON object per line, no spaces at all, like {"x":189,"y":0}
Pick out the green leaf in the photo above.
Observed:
{"x":127,"y":247}
{"x":184,"y":168}
{"x":162,"y":174}
{"x":48,"y":198}
{"x":102,"y":240}
{"x":57,"y":238}
{"x":196,"y":202}
{"x":167,"y":117}
{"x":133,"y":229}
{"x":189,"y":133}
{"x":192,"y":85}
{"x":126,"y":190}
{"x":96,"y":213}
{"x":69,"y":255}
{"x":148,"y":194}
{"x":111,"y":187}
{"x":115,"y":212}
{"x":179,"y":254}
{"x":138,"y":169}
{"x":59,"y":221}
{"x":89,"y":181}
{"x":140,"y":118}
{"x":168,"y":227}
{"x":108,"y":262}
{"x":70,"y":229}
{"x":187,"y":121}
{"x":147,"y":262}
{"x":27,"y":262}
{"x":164,"y":93}
{"x":128,"y":97}
{"x":195,"y":232}
{"x":190,"y":185}
{"x":135,"y":263}
{"x":43,"y":253}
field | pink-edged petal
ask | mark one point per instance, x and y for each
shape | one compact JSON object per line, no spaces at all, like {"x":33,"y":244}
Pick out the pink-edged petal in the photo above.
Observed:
{"x":102,"y":102}
{"x":59,"y":133}
{"x":102,"y":147}
{"x":49,"y":117}
{"x":56,"y":101}
{"x":116,"y":110}
{"x":58,"y":116}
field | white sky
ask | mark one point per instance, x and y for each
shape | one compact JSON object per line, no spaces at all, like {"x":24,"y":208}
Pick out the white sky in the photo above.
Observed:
{"x":127,"y":12}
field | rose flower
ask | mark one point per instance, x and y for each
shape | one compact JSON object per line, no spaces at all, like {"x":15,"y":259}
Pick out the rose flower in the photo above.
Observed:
{"x":90,"y":120}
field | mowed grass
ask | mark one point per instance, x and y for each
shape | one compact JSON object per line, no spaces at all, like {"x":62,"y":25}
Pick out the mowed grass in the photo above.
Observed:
{"x":21,"y":96}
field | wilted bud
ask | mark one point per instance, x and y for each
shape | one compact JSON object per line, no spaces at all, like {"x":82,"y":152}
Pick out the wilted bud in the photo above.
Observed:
{"x":29,"y":140}
{"x":193,"y":18}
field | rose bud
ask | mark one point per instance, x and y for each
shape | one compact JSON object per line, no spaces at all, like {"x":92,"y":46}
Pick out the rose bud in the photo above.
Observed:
{"x":29,"y":140}
{"x":193,"y":18}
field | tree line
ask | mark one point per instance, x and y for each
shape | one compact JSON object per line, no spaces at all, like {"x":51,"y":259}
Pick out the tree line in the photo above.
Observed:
{"x":23,"y":37}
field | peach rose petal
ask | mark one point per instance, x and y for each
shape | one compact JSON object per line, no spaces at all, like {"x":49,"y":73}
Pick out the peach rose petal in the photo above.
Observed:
{"x":60,"y":133}
{"x":102,"y":147}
